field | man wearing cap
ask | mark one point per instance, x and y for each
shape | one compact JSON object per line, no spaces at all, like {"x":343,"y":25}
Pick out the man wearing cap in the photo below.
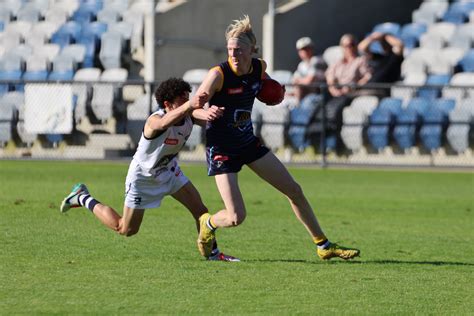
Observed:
{"x":310,"y":70}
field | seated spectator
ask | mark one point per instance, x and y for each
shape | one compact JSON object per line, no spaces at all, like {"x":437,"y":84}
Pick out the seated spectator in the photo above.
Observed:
{"x":342,"y":78}
{"x":310,"y":70}
{"x":385,"y":65}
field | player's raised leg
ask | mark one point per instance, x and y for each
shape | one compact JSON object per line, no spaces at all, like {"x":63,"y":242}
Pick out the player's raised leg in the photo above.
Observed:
{"x":274,"y":172}
{"x":126,"y":225}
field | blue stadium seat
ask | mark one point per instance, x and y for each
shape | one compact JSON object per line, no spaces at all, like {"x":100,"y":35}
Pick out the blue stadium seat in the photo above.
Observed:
{"x":73,"y":28}
{"x":444,"y":105}
{"x":61,"y":38}
{"x":420,"y":105}
{"x":83,"y":16}
{"x":379,"y":128}
{"x":300,"y":117}
{"x":410,"y":34}
{"x":388,"y":28}
{"x":393,"y":105}
{"x":467,"y":62}
{"x":6,"y":75}
{"x":93,"y":6}
{"x":458,"y":12}
{"x":90,"y":43}
{"x":61,"y":75}
{"x":96,"y":29}
{"x":404,"y":131}
{"x":431,"y":132}
{"x":434,"y":92}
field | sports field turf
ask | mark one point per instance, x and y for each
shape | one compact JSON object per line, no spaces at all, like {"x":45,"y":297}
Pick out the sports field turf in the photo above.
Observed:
{"x":415,"y":231}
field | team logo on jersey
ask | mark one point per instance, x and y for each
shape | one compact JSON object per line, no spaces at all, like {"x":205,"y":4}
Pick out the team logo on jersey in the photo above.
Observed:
{"x":137,"y":200}
{"x":171,"y":141}
{"x":235,"y":90}
{"x":242,"y":119}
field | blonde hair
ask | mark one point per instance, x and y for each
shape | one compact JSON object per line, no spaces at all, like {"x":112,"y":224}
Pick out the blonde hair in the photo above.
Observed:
{"x":242,"y":30}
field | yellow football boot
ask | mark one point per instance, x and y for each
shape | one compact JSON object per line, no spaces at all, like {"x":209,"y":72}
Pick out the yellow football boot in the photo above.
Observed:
{"x":334,"y":250}
{"x":206,"y":236}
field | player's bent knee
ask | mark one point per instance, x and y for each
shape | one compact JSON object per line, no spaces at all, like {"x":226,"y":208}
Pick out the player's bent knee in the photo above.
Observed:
{"x":237,"y":218}
{"x":128,"y":232}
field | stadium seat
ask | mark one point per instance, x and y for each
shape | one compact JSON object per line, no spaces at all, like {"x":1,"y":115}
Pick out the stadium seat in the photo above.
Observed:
{"x":49,"y":51}
{"x":432,"y":41}
{"x":458,"y":12}
{"x":83,"y":16}
{"x":5,"y":16}
{"x":124,"y":28}
{"x":82,"y":90}
{"x":378,"y":131}
{"x":434,"y":82}
{"x":332,"y":54}
{"x":10,"y":40}
{"x":104,"y":94}
{"x":118,"y":5}
{"x":6,"y":117}
{"x":410,"y":34}
{"x":406,"y":89}
{"x":111,"y":50}
{"x":76,"y":52}
{"x":108,"y":16}
{"x":460,"y":122}
{"x":433,"y":125}
{"x":460,"y":86}
{"x":95,"y":28}
{"x":274,"y":124}
{"x":300,"y":118}
{"x":21,"y":27}
{"x":90,"y":43}
{"x":419,"y":105}
{"x":443,"y":29}
{"x":388,"y":28}
{"x":393,"y":105}
{"x":28,"y":14}
{"x":352,"y":128}
{"x":61,"y":39}
{"x":460,"y":40}
{"x":467,"y":62}
{"x":404,"y":131}
{"x":56,"y":15}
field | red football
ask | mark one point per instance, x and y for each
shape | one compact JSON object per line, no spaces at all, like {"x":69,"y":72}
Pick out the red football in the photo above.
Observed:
{"x":271,"y":92}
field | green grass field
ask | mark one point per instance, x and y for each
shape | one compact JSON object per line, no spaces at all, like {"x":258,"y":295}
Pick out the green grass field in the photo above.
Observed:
{"x":415,"y":231}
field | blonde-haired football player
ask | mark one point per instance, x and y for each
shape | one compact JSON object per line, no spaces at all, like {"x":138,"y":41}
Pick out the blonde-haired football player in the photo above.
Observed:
{"x":231,"y":144}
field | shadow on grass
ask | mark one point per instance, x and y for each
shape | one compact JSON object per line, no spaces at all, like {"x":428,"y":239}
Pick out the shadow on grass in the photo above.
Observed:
{"x":432,"y":263}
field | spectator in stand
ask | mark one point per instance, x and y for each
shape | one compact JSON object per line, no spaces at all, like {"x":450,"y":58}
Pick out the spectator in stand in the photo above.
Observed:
{"x":352,"y":70}
{"x":310,"y":71}
{"x":385,"y":65}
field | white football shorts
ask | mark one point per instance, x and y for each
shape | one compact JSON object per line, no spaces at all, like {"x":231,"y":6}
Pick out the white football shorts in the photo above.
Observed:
{"x":145,"y":191}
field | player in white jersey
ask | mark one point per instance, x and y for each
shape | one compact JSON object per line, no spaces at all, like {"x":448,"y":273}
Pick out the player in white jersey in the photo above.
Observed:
{"x":154,"y":171}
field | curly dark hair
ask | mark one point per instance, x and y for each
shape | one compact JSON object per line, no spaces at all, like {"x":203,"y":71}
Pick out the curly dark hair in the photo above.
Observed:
{"x":170,"y":89}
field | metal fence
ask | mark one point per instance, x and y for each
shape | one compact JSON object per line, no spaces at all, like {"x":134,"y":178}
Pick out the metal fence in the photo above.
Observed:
{"x":395,"y":125}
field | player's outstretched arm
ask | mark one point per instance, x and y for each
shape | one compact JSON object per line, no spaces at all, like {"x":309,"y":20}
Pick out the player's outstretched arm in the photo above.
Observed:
{"x":156,"y":123}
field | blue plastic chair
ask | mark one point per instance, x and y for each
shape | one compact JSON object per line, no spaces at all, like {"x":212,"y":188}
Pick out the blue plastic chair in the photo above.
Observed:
{"x":393,"y":105}
{"x":300,"y":118}
{"x":73,"y":28}
{"x":404,"y":131}
{"x":90,"y":43}
{"x":434,"y":122}
{"x":61,"y":75}
{"x":420,"y":105}
{"x":445,"y":105}
{"x":379,"y":128}
{"x":467,"y":62}
{"x":83,"y":16}
{"x":6,"y":75}
{"x":433,"y":92}
{"x":458,"y":12}
{"x":410,"y":34}
{"x":61,"y":38}
{"x":388,"y":28}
